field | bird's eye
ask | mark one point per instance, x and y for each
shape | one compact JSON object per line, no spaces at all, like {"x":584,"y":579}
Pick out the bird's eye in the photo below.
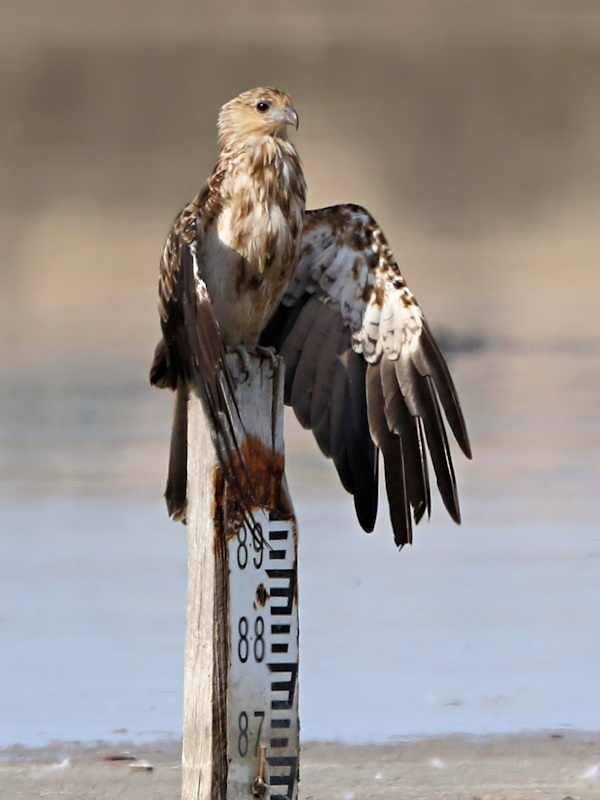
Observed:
{"x":262,"y":106}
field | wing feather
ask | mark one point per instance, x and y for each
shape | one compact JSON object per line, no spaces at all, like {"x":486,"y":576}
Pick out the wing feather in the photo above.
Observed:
{"x":305,"y":374}
{"x":320,"y":409}
{"x":293,"y":346}
{"x":364,"y":371}
{"x":408,"y":428}
{"x":360,"y":448}
{"x":191,"y":355}
{"x":429,"y":361}
{"x":393,"y":457}
{"x":423,"y":405}
{"x":340,"y":411}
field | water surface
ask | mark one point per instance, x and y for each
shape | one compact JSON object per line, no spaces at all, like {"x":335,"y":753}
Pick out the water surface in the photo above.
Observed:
{"x":490,"y":627}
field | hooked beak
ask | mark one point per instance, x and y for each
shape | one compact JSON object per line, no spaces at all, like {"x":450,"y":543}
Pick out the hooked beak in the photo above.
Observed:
{"x":290,"y":117}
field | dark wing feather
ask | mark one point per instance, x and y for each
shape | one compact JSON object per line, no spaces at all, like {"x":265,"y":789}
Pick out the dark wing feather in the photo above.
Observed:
{"x":393,"y":457}
{"x":294,"y":345}
{"x":320,"y":409}
{"x":191,"y":356}
{"x":363,"y":369}
{"x":325,"y":385}
{"x":409,"y":429}
{"x":338,"y":416}
{"x":360,"y":447}
{"x":316,"y":324}
{"x":429,"y":361}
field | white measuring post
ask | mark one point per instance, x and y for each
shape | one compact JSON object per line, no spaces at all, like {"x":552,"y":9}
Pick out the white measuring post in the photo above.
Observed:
{"x":241,"y":729}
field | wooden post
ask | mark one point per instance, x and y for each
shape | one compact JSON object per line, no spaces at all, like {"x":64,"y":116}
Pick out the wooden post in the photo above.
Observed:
{"x":241,"y":731}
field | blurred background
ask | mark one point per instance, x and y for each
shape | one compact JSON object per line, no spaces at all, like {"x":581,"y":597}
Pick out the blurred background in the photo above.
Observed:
{"x":471,"y":132}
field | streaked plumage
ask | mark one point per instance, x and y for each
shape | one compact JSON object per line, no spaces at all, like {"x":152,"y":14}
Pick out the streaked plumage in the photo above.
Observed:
{"x":246,"y":263}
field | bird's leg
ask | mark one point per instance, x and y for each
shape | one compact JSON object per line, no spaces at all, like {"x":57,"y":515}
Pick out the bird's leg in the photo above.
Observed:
{"x":267,"y":353}
{"x":244,"y":361}
{"x":243,"y":353}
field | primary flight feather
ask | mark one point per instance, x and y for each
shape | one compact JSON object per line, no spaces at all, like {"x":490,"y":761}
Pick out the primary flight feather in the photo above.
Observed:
{"x":246,"y":264}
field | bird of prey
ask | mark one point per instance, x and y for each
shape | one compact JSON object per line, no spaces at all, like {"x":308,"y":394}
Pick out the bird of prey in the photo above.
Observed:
{"x":245,"y":265}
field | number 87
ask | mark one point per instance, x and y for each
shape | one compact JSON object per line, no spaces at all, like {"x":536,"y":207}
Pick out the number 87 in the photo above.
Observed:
{"x":243,"y":740}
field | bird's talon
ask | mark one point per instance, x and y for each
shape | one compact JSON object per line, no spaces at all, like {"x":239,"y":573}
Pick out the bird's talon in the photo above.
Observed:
{"x":268,"y":353}
{"x":244,"y":362}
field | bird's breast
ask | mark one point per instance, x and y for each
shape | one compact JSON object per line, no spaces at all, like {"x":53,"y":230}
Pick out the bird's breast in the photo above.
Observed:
{"x":249,"y":255}
{"x":264,"y":234}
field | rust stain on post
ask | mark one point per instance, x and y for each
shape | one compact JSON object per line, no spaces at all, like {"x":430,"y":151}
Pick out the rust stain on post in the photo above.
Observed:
{"x":265,"y":487}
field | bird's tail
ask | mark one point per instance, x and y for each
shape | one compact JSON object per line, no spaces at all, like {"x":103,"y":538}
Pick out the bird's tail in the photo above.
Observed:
{"x":176,"y":491}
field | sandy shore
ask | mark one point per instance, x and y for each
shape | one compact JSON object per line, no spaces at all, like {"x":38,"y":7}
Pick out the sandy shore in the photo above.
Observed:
{"x":523,"y":767}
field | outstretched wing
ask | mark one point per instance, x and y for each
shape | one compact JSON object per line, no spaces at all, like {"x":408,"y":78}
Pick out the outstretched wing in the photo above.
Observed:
{"x":191,"y":353}
{"x":363,"y":370}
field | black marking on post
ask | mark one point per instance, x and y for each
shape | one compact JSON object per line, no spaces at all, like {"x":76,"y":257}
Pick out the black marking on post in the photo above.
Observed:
{"x":283,"y":591}
{"x":280,"y":629}
{"x":278,"y":535}
{"x":279,"y":742}
{"x":288,"y":686}
{"x":288,"y":780}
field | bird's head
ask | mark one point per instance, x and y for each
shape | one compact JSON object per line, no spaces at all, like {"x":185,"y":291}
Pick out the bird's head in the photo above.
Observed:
{"x":256,"y":113}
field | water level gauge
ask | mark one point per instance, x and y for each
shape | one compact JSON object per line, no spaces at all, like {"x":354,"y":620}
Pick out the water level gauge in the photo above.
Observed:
{"x":262,"y":693}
